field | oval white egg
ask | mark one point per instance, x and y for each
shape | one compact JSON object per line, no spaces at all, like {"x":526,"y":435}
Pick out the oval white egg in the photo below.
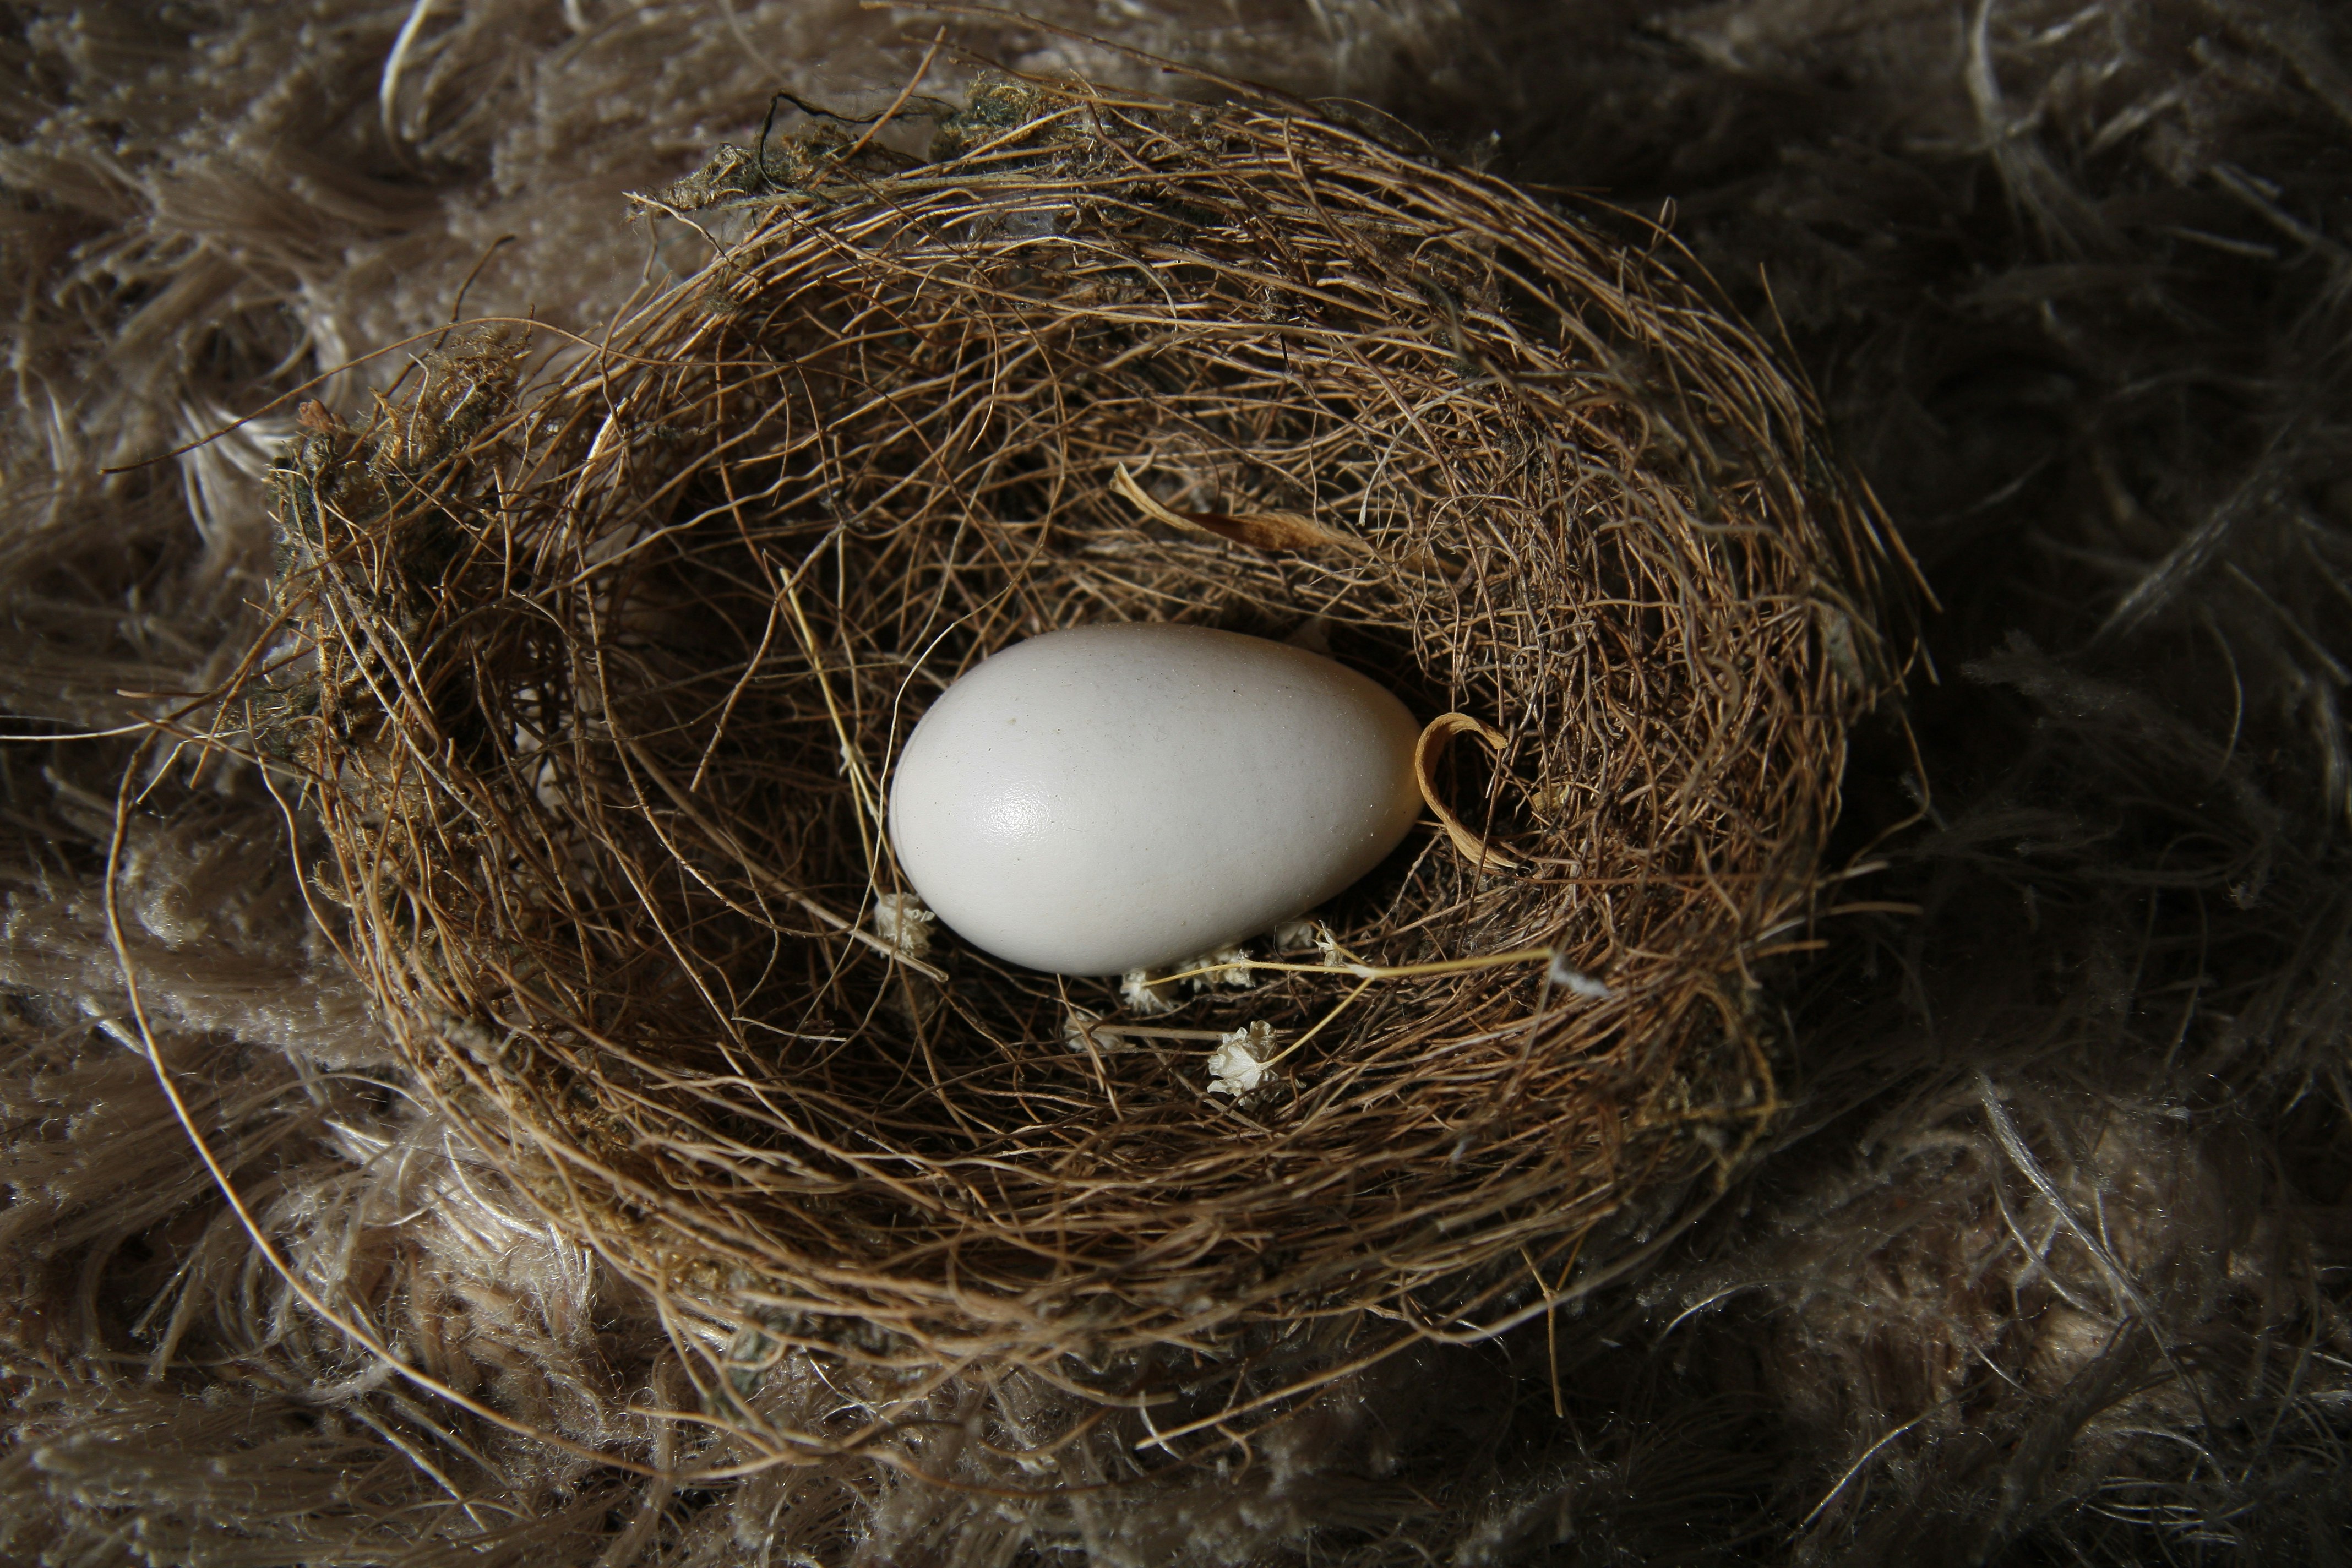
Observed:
{"x":1116,"y":797}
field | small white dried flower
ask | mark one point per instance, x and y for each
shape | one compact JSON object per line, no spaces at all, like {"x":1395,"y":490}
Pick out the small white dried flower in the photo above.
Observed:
{"x":546,"y":784}
{"x":1079,"y":1026}
{"x":900,"y":919}
{"x":1579,"y":983}
{"x":1309,"y":932}
{"x":1227,"y":965}
{"x":1292,"y":935}
{"x":1147,"y":991}
{"x":1238,"y":1065}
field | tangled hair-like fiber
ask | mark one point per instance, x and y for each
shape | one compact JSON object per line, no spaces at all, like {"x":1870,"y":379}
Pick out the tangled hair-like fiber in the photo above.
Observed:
{"x":596,"y":677}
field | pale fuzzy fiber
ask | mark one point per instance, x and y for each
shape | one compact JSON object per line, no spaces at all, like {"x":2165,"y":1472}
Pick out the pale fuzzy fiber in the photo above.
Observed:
{"x":2052,"y":1262}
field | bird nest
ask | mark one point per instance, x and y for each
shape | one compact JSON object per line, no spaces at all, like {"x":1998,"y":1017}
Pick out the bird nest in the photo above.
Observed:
{"x":595,"y":666}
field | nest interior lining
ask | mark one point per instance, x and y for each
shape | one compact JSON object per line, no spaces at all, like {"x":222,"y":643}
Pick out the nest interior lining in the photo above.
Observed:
{"x":600,"y":672}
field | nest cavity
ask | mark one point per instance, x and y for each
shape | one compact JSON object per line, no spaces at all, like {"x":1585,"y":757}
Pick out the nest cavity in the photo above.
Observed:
{"x":595,"y":662}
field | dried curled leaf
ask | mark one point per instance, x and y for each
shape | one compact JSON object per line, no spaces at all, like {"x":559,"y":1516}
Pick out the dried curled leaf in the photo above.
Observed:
{"x":1427,"y":752}
{"x":1258,"y":530}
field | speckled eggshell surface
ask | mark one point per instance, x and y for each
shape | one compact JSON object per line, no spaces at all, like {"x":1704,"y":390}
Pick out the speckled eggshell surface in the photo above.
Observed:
{"x":1115,"y":797}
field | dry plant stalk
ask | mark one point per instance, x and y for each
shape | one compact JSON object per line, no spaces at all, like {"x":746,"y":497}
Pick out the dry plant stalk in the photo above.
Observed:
{"x":595,"y":677}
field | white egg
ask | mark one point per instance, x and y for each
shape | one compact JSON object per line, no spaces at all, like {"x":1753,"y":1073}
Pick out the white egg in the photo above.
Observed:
{"x":1114,"y":797}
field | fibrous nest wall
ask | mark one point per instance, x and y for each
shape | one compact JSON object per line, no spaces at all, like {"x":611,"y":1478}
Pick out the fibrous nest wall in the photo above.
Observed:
{"x":596,"y":682}
{"x":2045,"y":1259}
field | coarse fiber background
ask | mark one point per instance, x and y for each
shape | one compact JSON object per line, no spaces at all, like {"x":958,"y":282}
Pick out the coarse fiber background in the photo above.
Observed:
{"x":2050,"y":1258}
